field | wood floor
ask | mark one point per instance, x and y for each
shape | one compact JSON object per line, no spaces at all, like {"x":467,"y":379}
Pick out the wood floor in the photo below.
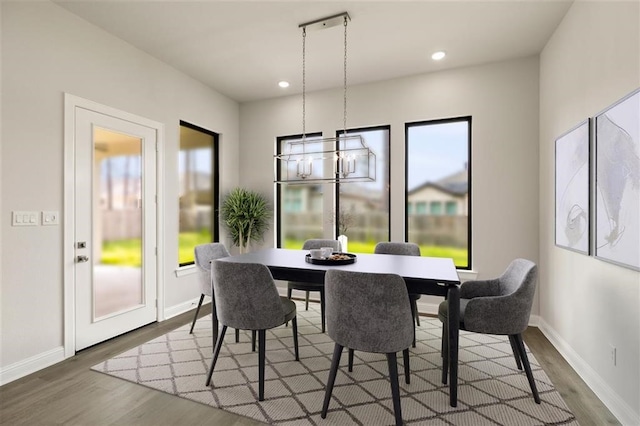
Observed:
{"x":69,"y":393}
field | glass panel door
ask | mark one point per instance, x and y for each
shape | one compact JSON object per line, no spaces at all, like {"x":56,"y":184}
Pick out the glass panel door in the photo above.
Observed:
{"x":117,"y":224}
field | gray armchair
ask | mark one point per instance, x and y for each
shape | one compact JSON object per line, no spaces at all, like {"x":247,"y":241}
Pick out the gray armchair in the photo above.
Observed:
{"x":204,"y":254}
{"x":247,"y":299}
{"x":307,"y":287}
{"x":371,"y":313}
{"x":498,"y":306}
{"x":405,"y":249}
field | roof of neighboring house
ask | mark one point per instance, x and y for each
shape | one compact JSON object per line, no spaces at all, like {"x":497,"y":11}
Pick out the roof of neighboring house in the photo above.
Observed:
{"x":454,"y":184}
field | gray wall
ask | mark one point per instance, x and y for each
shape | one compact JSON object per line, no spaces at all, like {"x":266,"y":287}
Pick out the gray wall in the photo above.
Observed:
{"x":592,"y":60}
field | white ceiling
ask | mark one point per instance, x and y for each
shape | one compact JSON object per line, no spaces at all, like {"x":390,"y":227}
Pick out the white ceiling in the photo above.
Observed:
{"x":243,"y":48}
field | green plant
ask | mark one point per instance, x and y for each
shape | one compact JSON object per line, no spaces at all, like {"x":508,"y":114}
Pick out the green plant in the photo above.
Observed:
{"x":246,"y":215}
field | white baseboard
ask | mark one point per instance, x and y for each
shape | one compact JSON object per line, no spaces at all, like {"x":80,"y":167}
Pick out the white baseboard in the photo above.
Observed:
{"x":618,"y":407}
{"x":183,"y":307}
{"x":31,"y":365}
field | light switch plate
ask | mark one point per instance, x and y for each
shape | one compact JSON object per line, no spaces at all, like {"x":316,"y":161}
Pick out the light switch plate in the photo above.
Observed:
{"x":25,"y":218}
{"x":50,"y":218}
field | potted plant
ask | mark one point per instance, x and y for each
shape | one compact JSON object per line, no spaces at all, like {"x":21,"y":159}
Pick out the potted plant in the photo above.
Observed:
{"x":245,"y":214}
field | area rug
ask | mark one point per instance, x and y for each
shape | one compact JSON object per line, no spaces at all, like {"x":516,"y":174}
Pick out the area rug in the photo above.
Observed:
{"x":491,"y":389}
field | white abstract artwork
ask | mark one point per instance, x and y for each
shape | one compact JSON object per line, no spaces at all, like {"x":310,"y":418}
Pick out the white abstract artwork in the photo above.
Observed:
{"x":618,"y":182}
{"x":572,"y":189}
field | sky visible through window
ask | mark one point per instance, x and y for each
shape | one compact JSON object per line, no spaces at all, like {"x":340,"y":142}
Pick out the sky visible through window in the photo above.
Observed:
{"x":437,"y":151}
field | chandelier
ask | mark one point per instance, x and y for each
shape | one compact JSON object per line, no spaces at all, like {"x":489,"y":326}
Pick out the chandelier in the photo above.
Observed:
{"x":345,"y":158}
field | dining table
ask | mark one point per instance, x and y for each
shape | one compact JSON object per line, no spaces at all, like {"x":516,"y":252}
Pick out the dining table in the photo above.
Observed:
{"x":435,"y":276}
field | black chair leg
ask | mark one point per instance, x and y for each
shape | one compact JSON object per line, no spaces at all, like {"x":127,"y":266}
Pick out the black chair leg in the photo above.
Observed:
{"x":289,"y":290}
{"x":415,"y":309}
{"x":322,"y":309}
{"x":350,"y":360}
{"x":215,"y":354}
{"x":261,"y":352}
{"x":395,"y":388}
{"x":294,"y":323}
{"x":445,"y":352}
{"x":407,"y":369}
{"x":195,"y":318}
{"x":253,"y":340}
{"x":527,"y":367}
{"x":335,"y":363}
{"x":516,"y":354}
{"x":414,"y":315}
{"x":237,"y":336}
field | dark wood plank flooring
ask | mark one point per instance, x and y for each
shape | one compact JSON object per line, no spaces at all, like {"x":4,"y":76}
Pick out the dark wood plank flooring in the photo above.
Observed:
{"x":70,"y":393}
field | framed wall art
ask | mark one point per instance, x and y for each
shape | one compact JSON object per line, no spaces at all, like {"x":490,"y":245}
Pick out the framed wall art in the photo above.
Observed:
{"x":572,"y":189}
{"x":617,"y":195}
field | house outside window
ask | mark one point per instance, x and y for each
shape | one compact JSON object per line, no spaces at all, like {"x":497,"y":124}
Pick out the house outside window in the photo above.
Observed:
{"x":363,"y":207}
{"x":198,"y":190}
{"x":438,"y":174}
{"x":421,"y":207}
{"x":299,"y":214}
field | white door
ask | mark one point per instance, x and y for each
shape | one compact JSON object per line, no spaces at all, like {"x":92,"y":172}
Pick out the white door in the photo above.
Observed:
{"x":115,"y":226}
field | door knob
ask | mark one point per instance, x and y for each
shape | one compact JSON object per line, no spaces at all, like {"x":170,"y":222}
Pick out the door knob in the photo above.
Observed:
{"x":82,"y":259}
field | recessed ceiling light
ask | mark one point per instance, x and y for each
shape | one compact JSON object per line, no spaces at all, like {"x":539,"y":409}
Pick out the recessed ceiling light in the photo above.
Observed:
{"x":438,"y":55}
{"x":283,"y":84}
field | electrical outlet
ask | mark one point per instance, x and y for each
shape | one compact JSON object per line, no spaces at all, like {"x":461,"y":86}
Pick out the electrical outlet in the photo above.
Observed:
{"x":613,"y":354}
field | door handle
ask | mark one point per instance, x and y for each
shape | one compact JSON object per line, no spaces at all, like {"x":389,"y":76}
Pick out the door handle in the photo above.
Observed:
{"x":82,"y":259}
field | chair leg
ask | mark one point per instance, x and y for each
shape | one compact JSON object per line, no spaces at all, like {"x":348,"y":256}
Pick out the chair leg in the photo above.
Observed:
{"x":237,"y":336}
{"x":215,"y":354}
{"x":322,"y":320}
{"x":527,"y":367}
{"x":294,"y":323}
{"x":289,"y":290}
{"x":195,"y":318}
{"x":414,"y":314}
{"x":415,"y":309}
{"x":445,"y":352}
{"x":335,"y":363}
{"x":350,"y":360}
{"x":407,"y":369}
{"x":395,"y":388}
{"x":306,"y":301}
{"x":253,"y":340}
{"x":261,"y":352}
{"x":516,"y":354}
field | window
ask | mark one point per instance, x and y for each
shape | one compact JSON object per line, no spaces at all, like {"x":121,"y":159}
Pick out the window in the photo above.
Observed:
{"x":421,"y":207}
{"x":299,"y":207}
{"x":363,"y":207}
{"x":198,"y":190}
{"x":435,"y":208}
{"x":451,"y":208}
{"x":438,"y":172}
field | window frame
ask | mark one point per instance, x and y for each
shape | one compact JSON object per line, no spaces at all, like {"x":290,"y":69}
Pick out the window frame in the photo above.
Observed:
{"x":215,"y":183}
{"x":469,"y":121}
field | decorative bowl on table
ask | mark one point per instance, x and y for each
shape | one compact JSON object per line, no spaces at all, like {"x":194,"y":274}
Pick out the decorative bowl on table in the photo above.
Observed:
{"x":335,"y":259}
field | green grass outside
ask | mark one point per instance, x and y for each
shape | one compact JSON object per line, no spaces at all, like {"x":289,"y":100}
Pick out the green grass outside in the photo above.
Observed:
{"x":458,"y":255}
{"x":122,"y":252}
{"x":129,"y":252}
{"x":187,"y":241}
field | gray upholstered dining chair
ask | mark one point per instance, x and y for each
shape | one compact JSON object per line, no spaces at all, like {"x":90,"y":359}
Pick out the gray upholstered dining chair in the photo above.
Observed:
{"x":204,"y":254}
{"x":498,"y":306}
{"x":247,"y":299}
{"x":406,"y":249}
{"x":371,"y":313}
{"x":307,"y":287}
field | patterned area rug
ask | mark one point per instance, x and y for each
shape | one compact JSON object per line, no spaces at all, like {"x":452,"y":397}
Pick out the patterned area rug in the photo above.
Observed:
{"x":491,"y":389}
